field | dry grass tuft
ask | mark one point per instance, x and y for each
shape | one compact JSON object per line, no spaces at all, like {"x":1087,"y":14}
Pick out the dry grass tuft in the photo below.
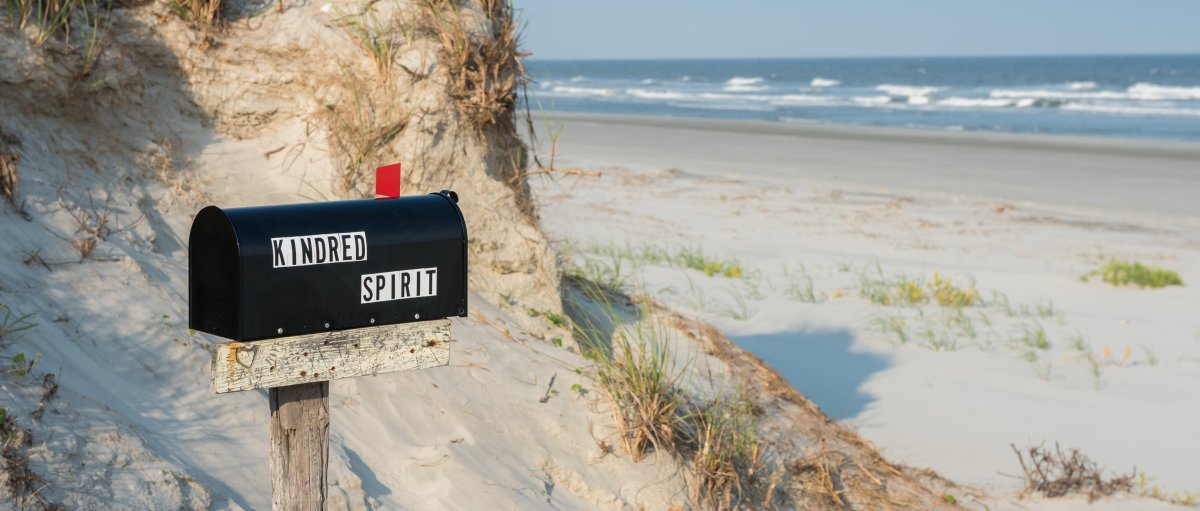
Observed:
{"x":25,"y":487}
{"x":379,"y":38}
{"x":47,"y":18}
{"x":1057,"y":474}
{"x":726,"y":454}
{"x":640,"y":379}
{"x":820,"y":477}
{"x":716,"y":439}
{"x":10,"y":185}
{"x":92,"y":225}
{"x":204,"y":13}
{"x":484,"y":73}
{"x":360,"y":126}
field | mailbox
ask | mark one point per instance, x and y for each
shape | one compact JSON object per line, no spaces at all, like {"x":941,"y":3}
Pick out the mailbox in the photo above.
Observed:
{"x":278,"y":271}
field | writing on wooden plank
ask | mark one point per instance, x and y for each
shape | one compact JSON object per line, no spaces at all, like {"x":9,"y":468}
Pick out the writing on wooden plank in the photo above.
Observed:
{"x":328,"y":356}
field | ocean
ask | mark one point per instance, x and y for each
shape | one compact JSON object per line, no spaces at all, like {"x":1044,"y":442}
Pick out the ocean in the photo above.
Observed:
{"x":1145,"y":96}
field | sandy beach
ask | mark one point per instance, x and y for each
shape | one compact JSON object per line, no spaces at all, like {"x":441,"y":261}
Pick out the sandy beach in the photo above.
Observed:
{"x":815,"y":215}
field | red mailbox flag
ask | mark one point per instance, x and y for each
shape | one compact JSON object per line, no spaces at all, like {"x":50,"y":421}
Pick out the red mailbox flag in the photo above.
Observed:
{"x":387,"y":181}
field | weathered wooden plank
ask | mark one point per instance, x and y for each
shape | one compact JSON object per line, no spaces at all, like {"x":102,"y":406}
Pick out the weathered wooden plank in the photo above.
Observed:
{"x":329,"y":356}
{"x":299,"y":446}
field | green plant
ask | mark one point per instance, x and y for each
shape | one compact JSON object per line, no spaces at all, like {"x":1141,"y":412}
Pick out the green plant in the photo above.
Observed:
{"x":1131,"y":273}
{"x":47,"y":17}
{"x":695,"y":259}
{"x":1045,"y":310}
{"x":606,"y":275}
{"x":13,"y":323}
{"x":93,"y":34}
{"x":904,"y":290}
{"x":889,"y":325}
{"x":1000,"y":300}
{"x":800,"y":285}
{"x":726,"y":453}
{"x":20,"y":366}
{"x":738,"y":309}
{"x":359,"y":126}
{"x":1035,"y":336}
{"x":716,"y":438}
{"x":1147,"y":487}
{"x":554,"y":318}
{"x":947,"y":295}
{"x":1151,"y":356}
{"x":939,"y":341}
{"x":639,"y":376}
{"x":379,"y":39}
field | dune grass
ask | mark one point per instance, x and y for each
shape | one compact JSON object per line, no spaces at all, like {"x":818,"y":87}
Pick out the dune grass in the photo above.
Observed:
{"x":48,"y":18}
{"x":13,"y":322}
{"x":905,"y":290}
{"x":380,"y":38}
{"x":1132,"y":273}
{"x":715,"y":437}
{"x":485,"y":73}
{"x":693,"y":258}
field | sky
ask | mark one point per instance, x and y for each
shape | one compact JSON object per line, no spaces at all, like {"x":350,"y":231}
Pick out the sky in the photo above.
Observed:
{"x":631,"y":29}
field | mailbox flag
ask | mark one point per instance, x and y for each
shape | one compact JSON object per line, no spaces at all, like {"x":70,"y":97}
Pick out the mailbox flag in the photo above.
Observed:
{"x":387,"y":181}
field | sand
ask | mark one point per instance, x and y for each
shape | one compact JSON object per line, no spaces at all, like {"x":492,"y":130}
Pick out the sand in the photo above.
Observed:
{"x":1021,"y":216}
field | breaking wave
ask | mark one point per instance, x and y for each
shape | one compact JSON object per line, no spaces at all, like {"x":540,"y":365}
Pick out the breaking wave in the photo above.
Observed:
{"x":741,"y":84}
{"x":740,"y":80}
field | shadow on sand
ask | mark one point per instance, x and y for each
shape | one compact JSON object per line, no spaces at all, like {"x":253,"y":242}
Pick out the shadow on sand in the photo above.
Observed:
{"x":820,"y":365}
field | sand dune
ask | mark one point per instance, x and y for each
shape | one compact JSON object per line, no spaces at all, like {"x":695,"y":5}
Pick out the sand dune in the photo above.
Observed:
{"x":814,"y":214}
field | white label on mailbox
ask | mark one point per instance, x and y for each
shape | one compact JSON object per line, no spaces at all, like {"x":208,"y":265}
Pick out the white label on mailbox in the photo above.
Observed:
{"x":398,"y":285}
{"x":341,"y":247}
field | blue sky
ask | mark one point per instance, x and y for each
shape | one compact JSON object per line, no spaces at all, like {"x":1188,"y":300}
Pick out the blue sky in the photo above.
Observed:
{"x":568,"y":29}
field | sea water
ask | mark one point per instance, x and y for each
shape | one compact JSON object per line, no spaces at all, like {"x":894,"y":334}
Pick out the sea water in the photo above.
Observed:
{"x":1126,"y":96}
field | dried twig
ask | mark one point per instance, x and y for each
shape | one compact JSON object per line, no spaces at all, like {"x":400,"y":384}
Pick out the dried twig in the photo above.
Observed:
{"x":1056,"y":474}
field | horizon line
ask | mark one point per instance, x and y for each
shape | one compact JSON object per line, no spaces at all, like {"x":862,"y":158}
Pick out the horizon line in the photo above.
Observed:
{"x":947,"y":56}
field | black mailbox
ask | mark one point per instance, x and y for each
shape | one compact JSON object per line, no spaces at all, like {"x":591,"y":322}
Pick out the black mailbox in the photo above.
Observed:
{"x":278,"y":271}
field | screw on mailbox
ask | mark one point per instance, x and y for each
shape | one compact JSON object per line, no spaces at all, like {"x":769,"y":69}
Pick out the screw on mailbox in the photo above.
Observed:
{"x":369,"y":265}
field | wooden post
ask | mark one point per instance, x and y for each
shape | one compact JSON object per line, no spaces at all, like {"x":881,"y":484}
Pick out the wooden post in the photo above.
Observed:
{"x":296,"y":371}
{"x":299,"y":446}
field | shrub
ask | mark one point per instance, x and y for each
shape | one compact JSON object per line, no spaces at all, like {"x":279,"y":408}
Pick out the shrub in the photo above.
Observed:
{"x":1132,"y":273}
{"x":1057,"y":474}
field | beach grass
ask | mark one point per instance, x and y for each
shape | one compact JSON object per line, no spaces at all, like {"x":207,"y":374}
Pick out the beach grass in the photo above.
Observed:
{"x":693,"y":258}
{"x":799,"y":285}
{"x":911,"y":291}
{"x":378,"y":38}
{"x":714,"y":435}
{"x":204,"y":13}
{"x":726,"y":451}
{"x":636,"y":370}
{"x":13,"y":322}
{"x":1132,"y":273}
{"x":48,"y":18}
